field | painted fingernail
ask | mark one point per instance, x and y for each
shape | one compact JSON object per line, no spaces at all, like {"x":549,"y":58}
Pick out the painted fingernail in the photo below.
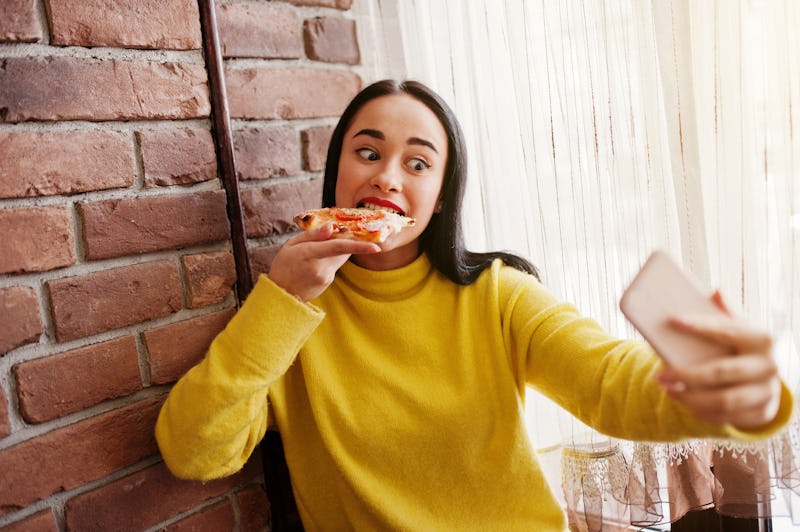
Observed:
{"x":674,"y":387}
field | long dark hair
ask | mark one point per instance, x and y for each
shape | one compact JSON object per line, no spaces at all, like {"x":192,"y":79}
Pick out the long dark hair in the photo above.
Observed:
{"x":443,"y":239}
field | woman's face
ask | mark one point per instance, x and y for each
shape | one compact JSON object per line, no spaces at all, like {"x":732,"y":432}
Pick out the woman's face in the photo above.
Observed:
{"x":393,"y":157}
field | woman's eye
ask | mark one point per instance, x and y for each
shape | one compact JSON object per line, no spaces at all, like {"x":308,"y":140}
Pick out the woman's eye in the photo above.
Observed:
{"x":418,"y":165}
{"x":368,"y":154}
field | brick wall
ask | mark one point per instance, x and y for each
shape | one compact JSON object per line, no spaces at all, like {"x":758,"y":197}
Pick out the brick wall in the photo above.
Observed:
{"x":116,"y":268}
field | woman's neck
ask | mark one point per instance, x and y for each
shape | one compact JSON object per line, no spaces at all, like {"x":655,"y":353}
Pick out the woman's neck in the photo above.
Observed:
{"x":389,"y":260}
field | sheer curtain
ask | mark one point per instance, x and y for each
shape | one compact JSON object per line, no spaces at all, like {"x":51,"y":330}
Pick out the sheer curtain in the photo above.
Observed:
{"x":598,"y":131}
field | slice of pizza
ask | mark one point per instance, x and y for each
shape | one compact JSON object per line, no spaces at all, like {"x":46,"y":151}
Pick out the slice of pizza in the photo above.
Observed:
{"x":359,"y":224}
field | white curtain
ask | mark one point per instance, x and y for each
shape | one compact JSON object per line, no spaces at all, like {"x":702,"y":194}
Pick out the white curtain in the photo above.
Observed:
{"x":598,"y":131}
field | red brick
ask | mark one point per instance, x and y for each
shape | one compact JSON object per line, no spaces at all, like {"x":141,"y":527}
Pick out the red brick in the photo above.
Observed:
{"x":315,"y":147}
{"x":19,"y":21}
{"x":264,"y":153}
{"x":179,"y":157}
{"x":270,"y":211}
{"x":253,"y":509}
{"x":261,"y":259}
{"x":217,"y":517}
{"x":71,"y":88}
{"x":331,"y":39}
{"x":64,"y":162}
{"x":61,"y":384}
{"x":35,"y":239}
{"x":20,"y":320}
{"x":289,"y":93}
{"x":157,"y":24}
{"x":110,"y":299}
{"x":145,"y":498}
{"x":38,"y":522}
{"x":175,"y":348}
{"x":209,"y":278}
{"x":338,"y":4}
{"x":259,"y":30}
{"x":118,"y":227}
{"x":5,"y":424}
{"x":69,"y":457}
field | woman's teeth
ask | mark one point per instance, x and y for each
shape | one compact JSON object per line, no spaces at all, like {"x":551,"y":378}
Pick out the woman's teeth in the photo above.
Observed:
{"x":373,"y":207}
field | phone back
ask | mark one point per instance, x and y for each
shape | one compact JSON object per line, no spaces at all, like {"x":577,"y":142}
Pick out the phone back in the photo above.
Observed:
{"x":659,"y":291}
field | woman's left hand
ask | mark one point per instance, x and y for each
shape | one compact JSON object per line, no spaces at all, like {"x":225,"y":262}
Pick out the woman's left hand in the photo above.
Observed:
{"x":743,"y":389}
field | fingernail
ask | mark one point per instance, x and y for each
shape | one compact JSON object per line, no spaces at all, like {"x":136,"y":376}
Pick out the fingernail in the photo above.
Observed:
{"x":670,"y":383}
{"x":674,"y":387}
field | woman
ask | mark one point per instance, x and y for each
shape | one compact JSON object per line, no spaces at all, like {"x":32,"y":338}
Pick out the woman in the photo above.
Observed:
{"x":396,"y":372}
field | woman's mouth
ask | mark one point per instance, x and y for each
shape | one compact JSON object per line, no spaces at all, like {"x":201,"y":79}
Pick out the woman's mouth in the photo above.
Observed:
{"x":378,"y":204}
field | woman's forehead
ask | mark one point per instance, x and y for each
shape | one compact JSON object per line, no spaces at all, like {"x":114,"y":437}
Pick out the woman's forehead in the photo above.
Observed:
{"x":398,"y":114}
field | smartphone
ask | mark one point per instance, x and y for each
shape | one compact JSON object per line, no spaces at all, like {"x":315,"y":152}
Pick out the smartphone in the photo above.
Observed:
{"x":662,"y":290}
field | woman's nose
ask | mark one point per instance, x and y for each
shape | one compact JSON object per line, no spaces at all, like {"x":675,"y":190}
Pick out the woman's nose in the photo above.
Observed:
{"x":387,"y":180}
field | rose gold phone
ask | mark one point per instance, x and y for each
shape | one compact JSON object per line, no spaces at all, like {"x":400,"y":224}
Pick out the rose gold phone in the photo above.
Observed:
{"x":659,"y":291}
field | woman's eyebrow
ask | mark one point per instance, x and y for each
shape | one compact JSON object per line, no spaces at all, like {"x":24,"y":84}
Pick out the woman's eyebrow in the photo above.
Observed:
{"x":411,"y":140}
{"x":422,"y":142}
{"x":371,"y":133}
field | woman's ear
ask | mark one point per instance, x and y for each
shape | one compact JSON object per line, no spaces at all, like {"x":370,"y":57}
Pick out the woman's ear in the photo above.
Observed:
{"x":438,"y":208}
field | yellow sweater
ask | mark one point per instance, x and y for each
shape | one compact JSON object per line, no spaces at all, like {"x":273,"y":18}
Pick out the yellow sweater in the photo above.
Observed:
{"x":404,"y":408}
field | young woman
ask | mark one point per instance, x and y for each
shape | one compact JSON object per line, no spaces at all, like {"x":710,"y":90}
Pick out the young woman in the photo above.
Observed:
{"x":396,"y":372}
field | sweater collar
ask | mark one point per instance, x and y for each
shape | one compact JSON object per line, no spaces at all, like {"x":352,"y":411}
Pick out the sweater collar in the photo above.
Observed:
{"x":397,"y":283}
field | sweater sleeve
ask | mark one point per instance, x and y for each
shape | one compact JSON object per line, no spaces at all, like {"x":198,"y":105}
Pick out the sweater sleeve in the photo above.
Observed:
{"x":606,"y":382}
{"x":216,"y":414}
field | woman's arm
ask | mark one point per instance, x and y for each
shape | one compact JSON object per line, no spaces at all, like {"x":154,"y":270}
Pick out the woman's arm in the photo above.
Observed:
{"x":216,"y":414}
{"x":608,"y":383}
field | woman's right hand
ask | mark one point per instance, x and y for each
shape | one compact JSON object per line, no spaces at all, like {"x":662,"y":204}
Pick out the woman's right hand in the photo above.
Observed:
{"x":307,"y":263}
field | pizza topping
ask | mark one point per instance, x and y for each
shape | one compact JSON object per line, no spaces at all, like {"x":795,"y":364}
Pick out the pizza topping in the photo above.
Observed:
{"x":359,"y":223}
{"x":354,"y":214}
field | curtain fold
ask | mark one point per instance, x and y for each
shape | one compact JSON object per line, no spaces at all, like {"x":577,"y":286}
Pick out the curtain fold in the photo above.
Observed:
{"x":598,"y":131}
